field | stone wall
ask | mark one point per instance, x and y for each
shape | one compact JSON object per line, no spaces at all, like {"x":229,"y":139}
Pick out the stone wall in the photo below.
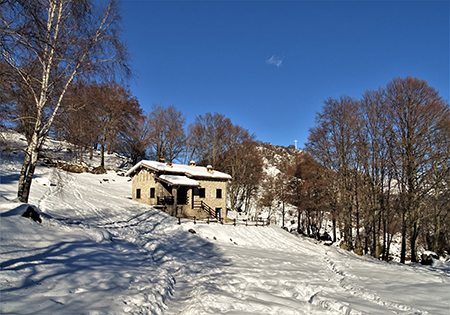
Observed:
{"x":210,"y":193}
{"x":145,"y":180}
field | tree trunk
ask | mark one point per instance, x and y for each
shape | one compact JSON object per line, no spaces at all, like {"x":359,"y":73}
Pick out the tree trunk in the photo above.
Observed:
{"x":334,"y":230}
{"x":28,"y":167}
{"x":403,"y":247}
{"x":437,"y":223}
{"x":23,"y":175}
{"x":385,"y":247}
{"x":348,"y":237}
{"x":102,"y":155}
{"x":28,"y":180}
{"x":414,"y":239}
{"x":437,"y":234}
{"x":374,"y":235}
{"x":299,"y":230}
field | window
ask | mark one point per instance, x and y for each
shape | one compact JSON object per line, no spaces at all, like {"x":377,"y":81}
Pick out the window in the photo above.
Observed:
{"x":201,"y":192}
{"x":219,"y":193}
{"x":152,"y":192}
{"x":138,"y":194}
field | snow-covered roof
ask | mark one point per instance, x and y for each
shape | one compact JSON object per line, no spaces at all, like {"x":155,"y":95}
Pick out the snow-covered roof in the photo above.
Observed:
{"x":188,"y":170}
{"x":179,"y":180}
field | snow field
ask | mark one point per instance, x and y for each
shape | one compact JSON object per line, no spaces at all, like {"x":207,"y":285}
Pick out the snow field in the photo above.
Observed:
{"x":98,"y":252}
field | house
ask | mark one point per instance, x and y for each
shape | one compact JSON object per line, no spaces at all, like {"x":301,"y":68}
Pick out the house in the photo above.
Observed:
{"x":181,"y":190}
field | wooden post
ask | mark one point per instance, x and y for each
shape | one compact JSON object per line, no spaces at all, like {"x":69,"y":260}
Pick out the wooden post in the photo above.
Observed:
{"x":175,"y":199}
{"x":207,"y":221}
{"x":179,"y":220}
{"x":194,"y":220}
{"x":234,"y":222}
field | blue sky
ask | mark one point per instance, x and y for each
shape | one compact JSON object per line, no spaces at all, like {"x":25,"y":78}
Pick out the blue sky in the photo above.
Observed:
{"x":269,"y":65}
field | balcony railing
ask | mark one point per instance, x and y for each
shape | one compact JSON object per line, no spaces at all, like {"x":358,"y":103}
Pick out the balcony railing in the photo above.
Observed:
{"x":165,"y":200}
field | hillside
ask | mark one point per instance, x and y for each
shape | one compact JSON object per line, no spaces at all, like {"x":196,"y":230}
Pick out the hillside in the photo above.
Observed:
{"x":98,"y":252}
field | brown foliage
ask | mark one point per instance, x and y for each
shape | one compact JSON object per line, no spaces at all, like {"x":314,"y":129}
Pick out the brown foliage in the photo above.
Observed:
{"x":99,"y":114}
{"x":244,"y":163}
{"x":308,"y":186}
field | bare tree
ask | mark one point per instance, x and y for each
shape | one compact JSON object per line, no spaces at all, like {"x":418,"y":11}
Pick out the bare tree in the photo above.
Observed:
{"x":270,"y":186}
{"x":308,"y":189}
{"x":76,"y":121}
{"x":136,"y":139}
{"x":115,"y":110}
{"x":332,"y":142}
{"x":104,"y":115}
{"x":244,"y":163}
{"x":230,"y":148}
{"x":437,"y":233}
{"x":49,"y":44}
{"x":389,"y":155}
{"x":209,"y":137}
{"x":6,"y":97}
{"x":416,"y":112}
{"x":374,"y":152}
{"x":167,"y":135}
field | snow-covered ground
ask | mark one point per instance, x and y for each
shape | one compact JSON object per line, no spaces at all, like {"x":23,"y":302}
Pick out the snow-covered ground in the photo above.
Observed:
{"x":98,"y":252}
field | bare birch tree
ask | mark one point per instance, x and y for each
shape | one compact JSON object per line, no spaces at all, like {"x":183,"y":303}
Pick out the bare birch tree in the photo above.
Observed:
{"x":49,"y":44}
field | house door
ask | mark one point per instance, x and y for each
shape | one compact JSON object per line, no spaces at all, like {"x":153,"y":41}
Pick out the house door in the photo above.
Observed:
{"x":219,"y":214}
{"x":182,"y":197}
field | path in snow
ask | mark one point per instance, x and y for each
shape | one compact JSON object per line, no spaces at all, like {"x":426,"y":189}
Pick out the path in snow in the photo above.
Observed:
{"x":270,"y":271}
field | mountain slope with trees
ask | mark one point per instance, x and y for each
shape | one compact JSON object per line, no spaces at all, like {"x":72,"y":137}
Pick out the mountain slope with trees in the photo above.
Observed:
{"x":96,"y":251}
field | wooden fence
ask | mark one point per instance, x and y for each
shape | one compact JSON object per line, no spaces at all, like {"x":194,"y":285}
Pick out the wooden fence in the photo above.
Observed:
{"x":234,"y":222}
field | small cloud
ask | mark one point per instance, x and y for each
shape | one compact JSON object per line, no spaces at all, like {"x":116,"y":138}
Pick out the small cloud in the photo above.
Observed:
{"x":274,"y":61}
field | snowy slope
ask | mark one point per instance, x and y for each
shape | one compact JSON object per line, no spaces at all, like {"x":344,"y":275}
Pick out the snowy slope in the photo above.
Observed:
{"x":98,"y":252}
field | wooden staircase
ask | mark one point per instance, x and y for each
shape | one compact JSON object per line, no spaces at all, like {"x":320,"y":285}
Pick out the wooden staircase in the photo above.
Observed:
{"x":202,"y":205}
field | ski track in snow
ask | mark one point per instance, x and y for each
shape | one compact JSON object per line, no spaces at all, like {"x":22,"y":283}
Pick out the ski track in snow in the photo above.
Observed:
{"x":69,"y":265}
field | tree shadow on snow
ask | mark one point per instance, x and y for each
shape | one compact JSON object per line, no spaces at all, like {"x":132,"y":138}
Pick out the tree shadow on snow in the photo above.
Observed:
{"x":80,"y":275}
{"x":173,"y":248}
{"x":72,"y":258}
{"x":9,"y":179}
{"x":148,"y":247}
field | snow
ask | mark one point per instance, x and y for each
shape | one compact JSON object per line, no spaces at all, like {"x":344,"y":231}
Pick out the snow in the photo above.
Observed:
{"x":191,"y":171}
{"x":98,"y":252}
{"x":179,"y":180}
